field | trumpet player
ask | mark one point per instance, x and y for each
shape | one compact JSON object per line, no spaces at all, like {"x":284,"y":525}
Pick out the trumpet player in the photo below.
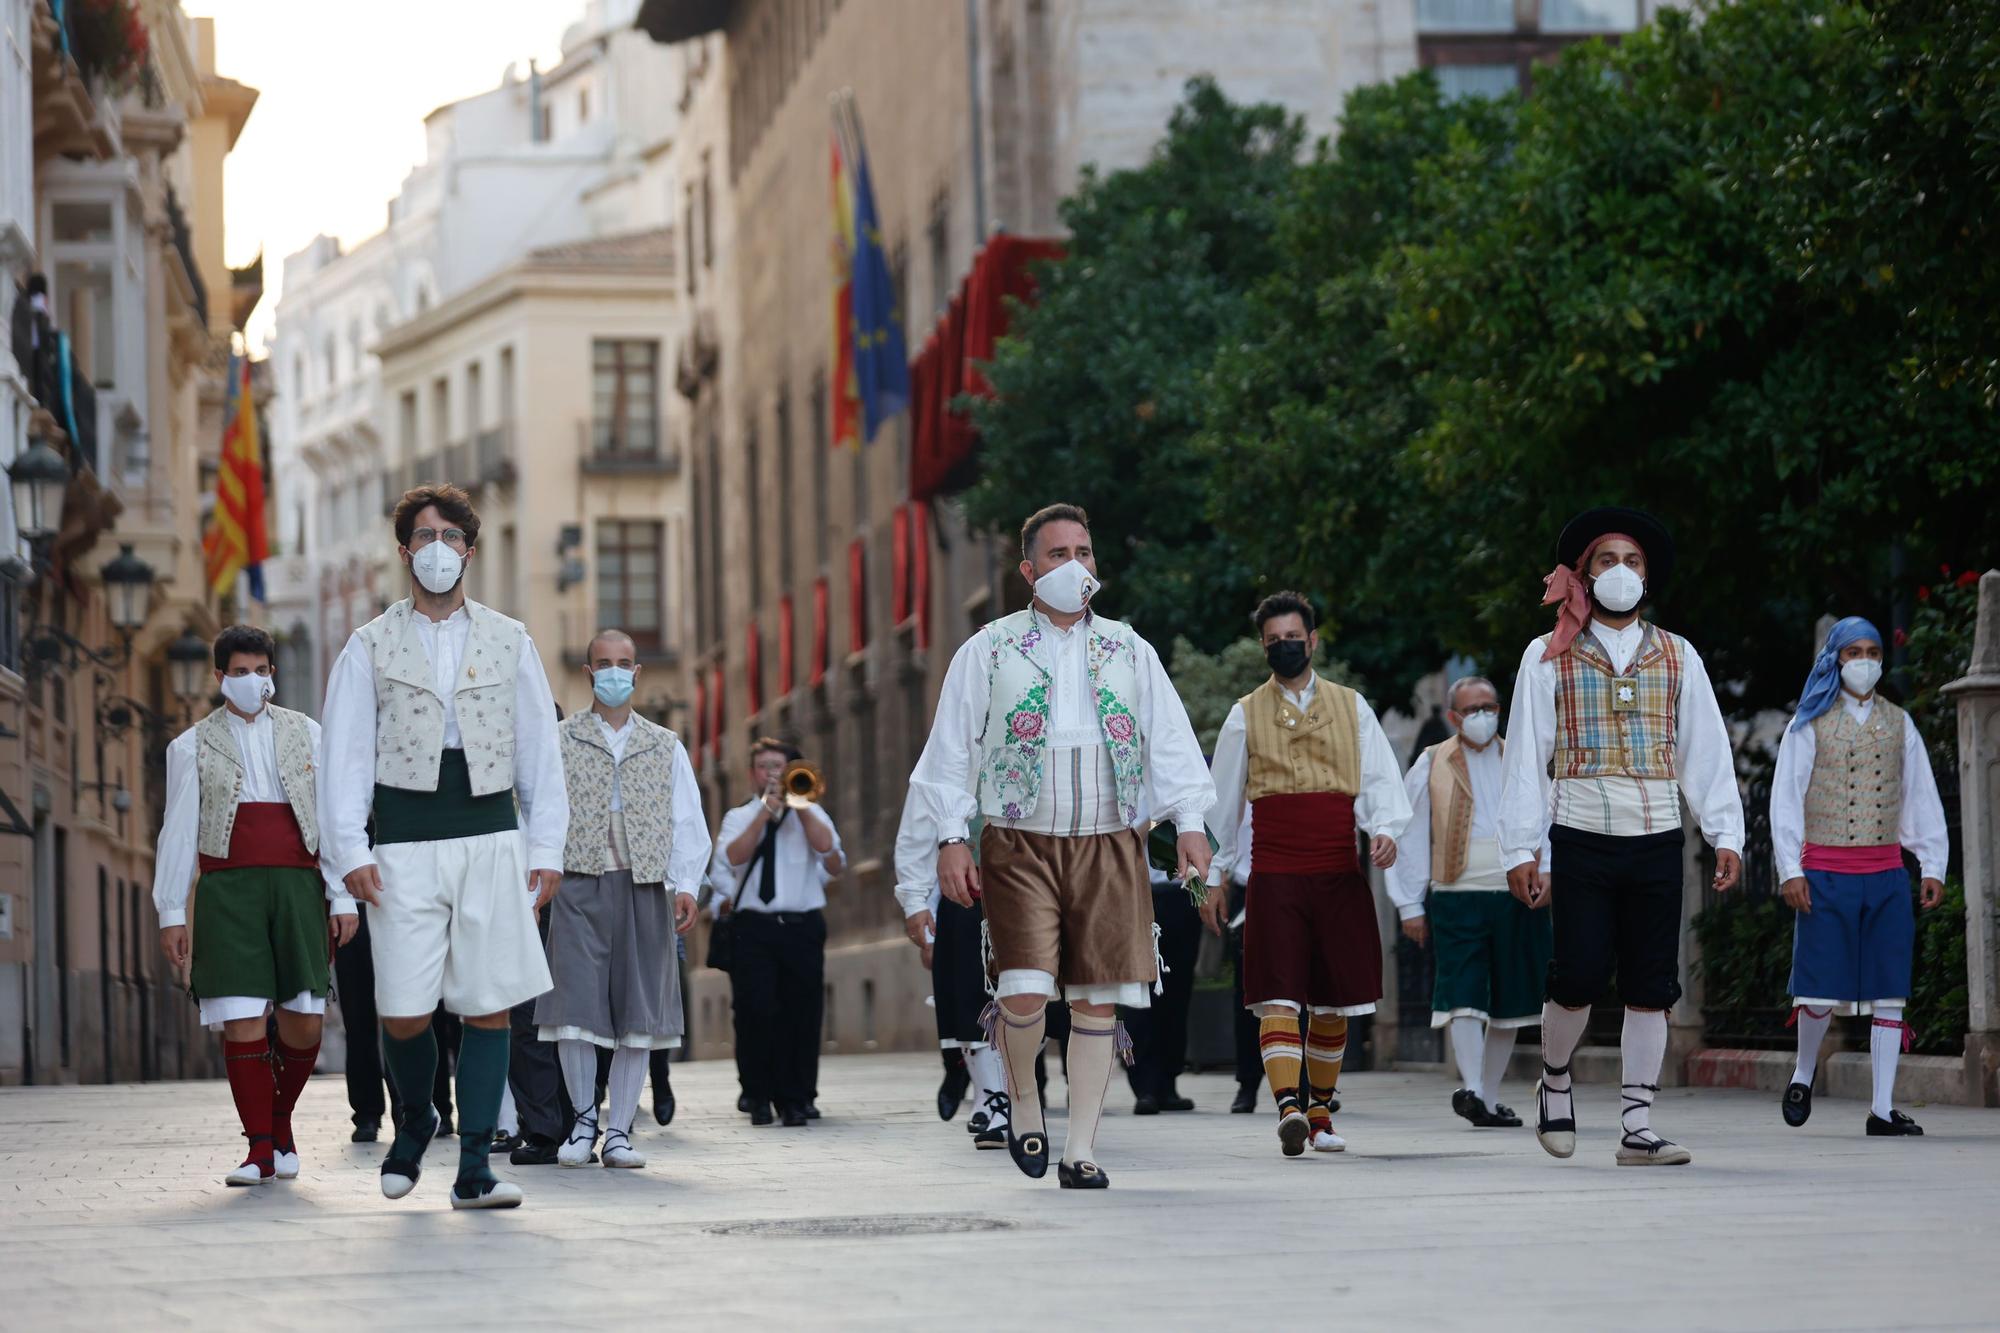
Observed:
{"x":632,"y":860}
{"x":774,"y":855}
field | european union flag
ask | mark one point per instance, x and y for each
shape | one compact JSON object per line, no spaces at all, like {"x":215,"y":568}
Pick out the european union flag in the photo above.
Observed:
{"x":881,"y":361}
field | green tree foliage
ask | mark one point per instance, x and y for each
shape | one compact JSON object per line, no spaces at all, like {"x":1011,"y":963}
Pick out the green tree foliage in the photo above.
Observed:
{"x":1101,"y":383}
{"x":1208,"y":683}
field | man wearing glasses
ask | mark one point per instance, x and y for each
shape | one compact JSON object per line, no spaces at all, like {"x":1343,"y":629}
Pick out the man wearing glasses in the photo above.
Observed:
{"x":241,"y":812}
{"x":438,"y":720}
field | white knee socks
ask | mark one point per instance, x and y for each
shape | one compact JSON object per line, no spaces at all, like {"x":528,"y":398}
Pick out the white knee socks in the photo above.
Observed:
{"x":1020,"y":1043}
{"x":510,"y":1115}
{"x":621,"y":1090}
{"x":1499,"y":1049}
{"x":1562,"y":1029}
{"x":1885,"y":1048}
{"x":1643,"y":1047}
{"x":1467,"y":1048}
{"x":983,"y":1063}
{"x":1091,"y":1039}
{"x":579,"y":1070}
{"x":1812,"y":1024}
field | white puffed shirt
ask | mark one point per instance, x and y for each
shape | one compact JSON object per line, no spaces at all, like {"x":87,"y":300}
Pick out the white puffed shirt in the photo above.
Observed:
{"x":180,"y":829}
{"x":1920,"y":825}
{"x":1624,"y":807}
{"x":801,"y":872}
{"x":347,"y":775}
{"x":947,"y":775}
{"x":1380,"y":807}
{"x":687,"y":861}
{"x":1409,"y":879}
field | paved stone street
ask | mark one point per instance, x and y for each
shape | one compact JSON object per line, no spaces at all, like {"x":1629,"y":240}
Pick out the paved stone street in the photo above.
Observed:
{"x":112,"y":1214}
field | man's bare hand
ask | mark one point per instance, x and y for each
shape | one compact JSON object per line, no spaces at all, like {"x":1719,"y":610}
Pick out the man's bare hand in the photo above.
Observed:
{"x":1417,"y":930}
{"x":684,"y":913}
{"x":773,"y":798}
{"x":958,"y":878}
{"x":1194,"y":855}
{"x":543,"y":884}
{"x":364,"y":884}
{"x":1797,"y":895}
{"x":340,"y":928}
{"x":174,"y":944}
{"x":1931,"y":894}
{"x":1382,"y":851}
{"x":1528,"y":883}
{"x":917,"y":925}
{"x":1215,"y":909}
{"x":1728,"y":869}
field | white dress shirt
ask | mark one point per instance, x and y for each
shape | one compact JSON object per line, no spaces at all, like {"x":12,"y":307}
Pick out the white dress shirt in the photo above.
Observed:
{"x":1920,"y":825}
{"x":180,"y":831}
{"x":347,"y":777}
{"x":1410,"y":877}
{"x":1380,"y":807}
{"x":801,"y":872}
{"x":1623,"y":807}
{"x":947,"y":775}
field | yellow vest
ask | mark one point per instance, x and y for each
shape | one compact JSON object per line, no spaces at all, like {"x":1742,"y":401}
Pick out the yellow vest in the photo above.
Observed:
{"x":1292,"y":752}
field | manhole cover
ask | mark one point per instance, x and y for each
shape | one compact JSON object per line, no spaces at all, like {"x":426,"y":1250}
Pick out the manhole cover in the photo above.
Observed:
{"x":880,"y":1224}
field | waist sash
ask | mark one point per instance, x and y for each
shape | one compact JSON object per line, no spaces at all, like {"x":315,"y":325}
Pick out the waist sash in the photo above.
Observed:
{"x":266,"y":834}
{"x":452,"y":811}
{"x":1303,"y":833}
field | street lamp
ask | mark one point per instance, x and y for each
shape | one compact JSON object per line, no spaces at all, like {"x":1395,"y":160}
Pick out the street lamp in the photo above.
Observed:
{"x":187,"y":667}
{"x":38,"y":479}
{"x":128,"y":589}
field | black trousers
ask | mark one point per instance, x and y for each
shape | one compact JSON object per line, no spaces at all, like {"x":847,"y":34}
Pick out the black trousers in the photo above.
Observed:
{"x":779,"y":980}
{"x":354,"y":976}
{"x":1159,"y":1033}
{"x":540,"y":1101}
{"x":958,"y":974}
{"x":1249,"y":1057}
{"x":1617,"y":908}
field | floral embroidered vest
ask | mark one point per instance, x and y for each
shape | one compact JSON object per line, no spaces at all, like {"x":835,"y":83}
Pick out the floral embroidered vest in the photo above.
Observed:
{"x":1610,"y":724}
{"x":1015,"y":740}
{"x":219,"y":772}
{"x":409,"y":715}
{"x":1855,"y":797}
{"x":645,"y":780}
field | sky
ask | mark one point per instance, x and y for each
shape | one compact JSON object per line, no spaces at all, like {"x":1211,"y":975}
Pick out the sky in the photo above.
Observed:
{"x":343,"y":92}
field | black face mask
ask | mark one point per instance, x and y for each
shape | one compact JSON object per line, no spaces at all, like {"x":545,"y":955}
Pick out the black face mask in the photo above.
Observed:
{"x":1288,"y":657}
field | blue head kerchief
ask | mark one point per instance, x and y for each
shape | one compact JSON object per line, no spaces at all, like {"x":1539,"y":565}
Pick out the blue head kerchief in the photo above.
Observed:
{"x":1823,"y":685}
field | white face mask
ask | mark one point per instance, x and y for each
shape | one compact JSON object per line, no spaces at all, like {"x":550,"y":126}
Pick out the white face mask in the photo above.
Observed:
{"x":1860,"y":675}
{"x":1480,"y":727}
{"x":1067,"y":588}
{"x":438,"y":567}
{"x":247,"y":693}
{"x":1619,"y":589}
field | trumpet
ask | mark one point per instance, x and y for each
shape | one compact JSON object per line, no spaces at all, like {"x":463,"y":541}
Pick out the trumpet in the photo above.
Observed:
{"x":802,"y":783}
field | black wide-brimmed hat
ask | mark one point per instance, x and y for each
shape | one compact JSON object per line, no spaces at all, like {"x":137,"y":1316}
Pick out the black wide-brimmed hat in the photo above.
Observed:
{"x":1640,"y":526}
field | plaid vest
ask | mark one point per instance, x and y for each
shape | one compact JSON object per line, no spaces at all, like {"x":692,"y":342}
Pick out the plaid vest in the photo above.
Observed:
{"x":1612,"y":725}
{"x":1855,"y":798}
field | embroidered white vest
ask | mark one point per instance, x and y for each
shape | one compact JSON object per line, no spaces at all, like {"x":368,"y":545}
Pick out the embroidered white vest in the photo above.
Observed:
{"x":1015,"y":740}
{"x":645,"y":781}
{"x":409,"y":714}
{"x":219,"y":772}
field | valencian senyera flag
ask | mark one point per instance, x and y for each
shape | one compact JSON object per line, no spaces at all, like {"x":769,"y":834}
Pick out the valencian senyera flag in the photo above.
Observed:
{"x":871,"y":365}
{"x":236,"y":542}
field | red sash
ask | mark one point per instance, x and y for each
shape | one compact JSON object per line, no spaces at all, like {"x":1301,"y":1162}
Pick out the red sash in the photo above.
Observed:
{"x":266,"y":835}
{"x":1853,"y":860}
{"x":1306,"y":833}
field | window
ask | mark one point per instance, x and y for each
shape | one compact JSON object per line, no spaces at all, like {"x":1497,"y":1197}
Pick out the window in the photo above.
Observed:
{"x":1457,"y":81}
{"x":629,"y":579}
{"x":583,"y":106}
{"x":707,"y":213}
{"x":625,"y":389}
{"x":406,"y":425}
{"x":475,"y":393}
{"x":1590,"y":15}
{"x":506,"y":384}
{"x":440,"y":416}
{"x":687,"y":233}
{"x":939,"y":240}
{"x":1465,"y":15}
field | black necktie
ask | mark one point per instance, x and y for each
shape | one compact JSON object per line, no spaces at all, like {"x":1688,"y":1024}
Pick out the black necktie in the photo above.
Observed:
{"x":767,"y":877}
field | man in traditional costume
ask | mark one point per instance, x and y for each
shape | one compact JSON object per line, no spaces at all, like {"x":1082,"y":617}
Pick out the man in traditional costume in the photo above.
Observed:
{"x":634,"y":856}
{"x":1061,"y":727}
{"x":1614,"y":721}
{"x":1310,"y":759}
{"x":438,"y":722}
{"x":1491,"y":953}
{"x":242,"y":794}
{"x":1852,"y":791}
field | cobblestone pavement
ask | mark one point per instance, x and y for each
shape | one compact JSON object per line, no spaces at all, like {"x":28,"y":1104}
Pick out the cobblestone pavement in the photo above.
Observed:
{"x":112,"y":1215}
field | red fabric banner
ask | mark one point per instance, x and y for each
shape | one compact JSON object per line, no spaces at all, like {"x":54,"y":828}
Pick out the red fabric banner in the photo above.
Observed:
{"x":857,"y":595}
{"x":819,"y":633}
{"x":753,"y":669}
{"x":920,"y":543}
{"x":785,"y":636}
{"x":899,"y":563}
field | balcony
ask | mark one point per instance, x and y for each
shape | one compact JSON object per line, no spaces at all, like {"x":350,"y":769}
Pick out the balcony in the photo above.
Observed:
{"x":493,"y":456}
{"x":601,"y":452}
{"x":458,"y":464}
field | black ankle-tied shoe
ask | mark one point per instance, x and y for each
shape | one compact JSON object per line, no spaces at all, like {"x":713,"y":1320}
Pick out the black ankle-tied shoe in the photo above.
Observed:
{"x":1030,"y":1151}
{"x":1797,"y":1104}
{"x":1082,"y":1176}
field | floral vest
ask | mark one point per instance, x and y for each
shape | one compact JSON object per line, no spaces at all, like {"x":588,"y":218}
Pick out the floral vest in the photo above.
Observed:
{"x":645,"y":779}
{"x":1613,"y":725}
{"x":1855,"y":797}
{"x":1015,"y":740}
{"x":409,"y":715}
{"x":219,"y":773}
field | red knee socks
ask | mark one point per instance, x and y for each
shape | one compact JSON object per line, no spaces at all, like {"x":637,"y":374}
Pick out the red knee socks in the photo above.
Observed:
{"x":248,"y":1064}
{"x":293,"y":1067}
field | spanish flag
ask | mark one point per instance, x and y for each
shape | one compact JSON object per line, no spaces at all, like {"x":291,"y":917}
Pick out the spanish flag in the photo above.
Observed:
{"x":845,"y":397}
{"x":236,"y":540}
